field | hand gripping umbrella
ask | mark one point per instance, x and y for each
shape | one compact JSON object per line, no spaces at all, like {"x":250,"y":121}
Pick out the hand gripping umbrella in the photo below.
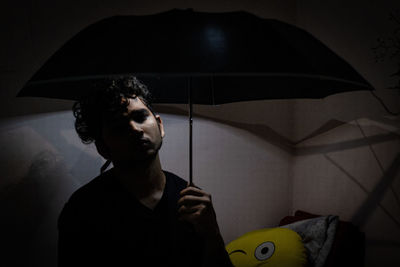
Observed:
{"x":185,"y":56}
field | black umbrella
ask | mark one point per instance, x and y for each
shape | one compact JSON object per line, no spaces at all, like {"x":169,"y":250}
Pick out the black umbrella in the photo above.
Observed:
{"x":195,"y":57}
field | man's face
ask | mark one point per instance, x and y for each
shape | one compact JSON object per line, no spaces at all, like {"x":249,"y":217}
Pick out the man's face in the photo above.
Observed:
{"x":133,"y":135}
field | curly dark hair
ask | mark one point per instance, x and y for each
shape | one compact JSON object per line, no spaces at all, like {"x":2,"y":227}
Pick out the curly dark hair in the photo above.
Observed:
{"x":107,"y":97}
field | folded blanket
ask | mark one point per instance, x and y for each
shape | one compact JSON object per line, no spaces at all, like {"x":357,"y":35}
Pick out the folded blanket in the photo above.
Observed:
{"x":317,"y":235}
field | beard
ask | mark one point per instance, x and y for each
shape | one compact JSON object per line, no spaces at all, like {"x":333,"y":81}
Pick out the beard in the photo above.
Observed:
{"x":151,"y":154}
{"x":133,"y":152}
{"x":140,"y":155}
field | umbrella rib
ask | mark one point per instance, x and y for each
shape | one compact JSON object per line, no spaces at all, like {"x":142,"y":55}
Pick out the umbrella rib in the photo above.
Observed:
{"x":280,"y":74}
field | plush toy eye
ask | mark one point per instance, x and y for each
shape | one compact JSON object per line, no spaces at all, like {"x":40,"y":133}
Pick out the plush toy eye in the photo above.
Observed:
{"x":264,"y":251}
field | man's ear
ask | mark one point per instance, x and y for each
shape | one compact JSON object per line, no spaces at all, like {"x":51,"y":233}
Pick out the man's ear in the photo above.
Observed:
{"x":102,"y":149}
{"x":160,"y":125}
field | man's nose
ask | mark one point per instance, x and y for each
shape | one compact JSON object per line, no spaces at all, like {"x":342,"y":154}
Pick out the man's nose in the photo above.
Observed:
{"x":135,"y":128}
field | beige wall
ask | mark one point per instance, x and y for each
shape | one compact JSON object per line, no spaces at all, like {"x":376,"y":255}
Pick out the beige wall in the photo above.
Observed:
{"x":242,"y":152}
{"x":350,"y":141}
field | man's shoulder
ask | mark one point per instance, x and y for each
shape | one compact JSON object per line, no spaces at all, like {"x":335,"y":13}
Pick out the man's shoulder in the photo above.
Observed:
{"x":86,"y":202}
{"x":94,"y":189}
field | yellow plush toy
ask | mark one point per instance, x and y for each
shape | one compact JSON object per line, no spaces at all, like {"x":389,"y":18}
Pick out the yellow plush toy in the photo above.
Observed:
{"x":270,"y":247}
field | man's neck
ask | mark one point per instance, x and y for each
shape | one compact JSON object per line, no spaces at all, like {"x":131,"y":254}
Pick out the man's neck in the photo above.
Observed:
{"x":143,"y":179}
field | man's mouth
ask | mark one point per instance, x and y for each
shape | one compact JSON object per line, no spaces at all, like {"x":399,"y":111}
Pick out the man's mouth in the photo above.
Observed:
{"x":142,"y":141}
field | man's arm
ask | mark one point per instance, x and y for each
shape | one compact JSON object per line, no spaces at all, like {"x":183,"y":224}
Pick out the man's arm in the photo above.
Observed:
{"x":195,"y":206}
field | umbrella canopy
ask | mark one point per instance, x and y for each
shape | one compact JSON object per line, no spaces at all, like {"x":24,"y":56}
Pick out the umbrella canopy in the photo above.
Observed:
{"x":229,"y":57}
{"x":197,"y":58}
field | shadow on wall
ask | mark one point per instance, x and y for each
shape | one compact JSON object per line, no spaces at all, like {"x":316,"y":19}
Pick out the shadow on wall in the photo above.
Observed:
{"x":40,"y":167}
{"x":385,"y":182}
{"x":371,"y":163}
{"x":272,"y":137}
{"x":375,"y":197}
{"x":28,"y":224}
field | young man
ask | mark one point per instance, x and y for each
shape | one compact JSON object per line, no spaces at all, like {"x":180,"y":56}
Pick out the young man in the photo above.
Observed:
{"x":135,"y":214}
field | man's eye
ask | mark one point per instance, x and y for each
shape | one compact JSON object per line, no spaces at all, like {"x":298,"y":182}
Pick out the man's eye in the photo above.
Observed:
{"x":139,"y":117}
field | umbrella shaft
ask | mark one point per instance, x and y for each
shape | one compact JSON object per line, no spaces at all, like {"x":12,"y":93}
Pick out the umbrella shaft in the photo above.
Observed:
{"x":190,"y":133}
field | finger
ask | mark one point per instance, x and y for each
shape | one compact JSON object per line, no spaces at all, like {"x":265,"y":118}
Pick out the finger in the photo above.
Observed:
{"x":192,"y":217}
{"x":186,"y":209}
{"x":191,"y":184}
{"x":193,"y":191}
{"x":190,"y":209}
{"x":190,"y":200}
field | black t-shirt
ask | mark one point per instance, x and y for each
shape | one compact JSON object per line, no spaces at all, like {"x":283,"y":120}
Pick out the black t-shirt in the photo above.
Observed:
{"x":104,"y":225}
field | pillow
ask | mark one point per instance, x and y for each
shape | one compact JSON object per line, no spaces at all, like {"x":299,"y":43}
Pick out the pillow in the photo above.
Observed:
{"x":318,"y":235}
{"x":348,"y":247}
{"x":270,"y":247}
